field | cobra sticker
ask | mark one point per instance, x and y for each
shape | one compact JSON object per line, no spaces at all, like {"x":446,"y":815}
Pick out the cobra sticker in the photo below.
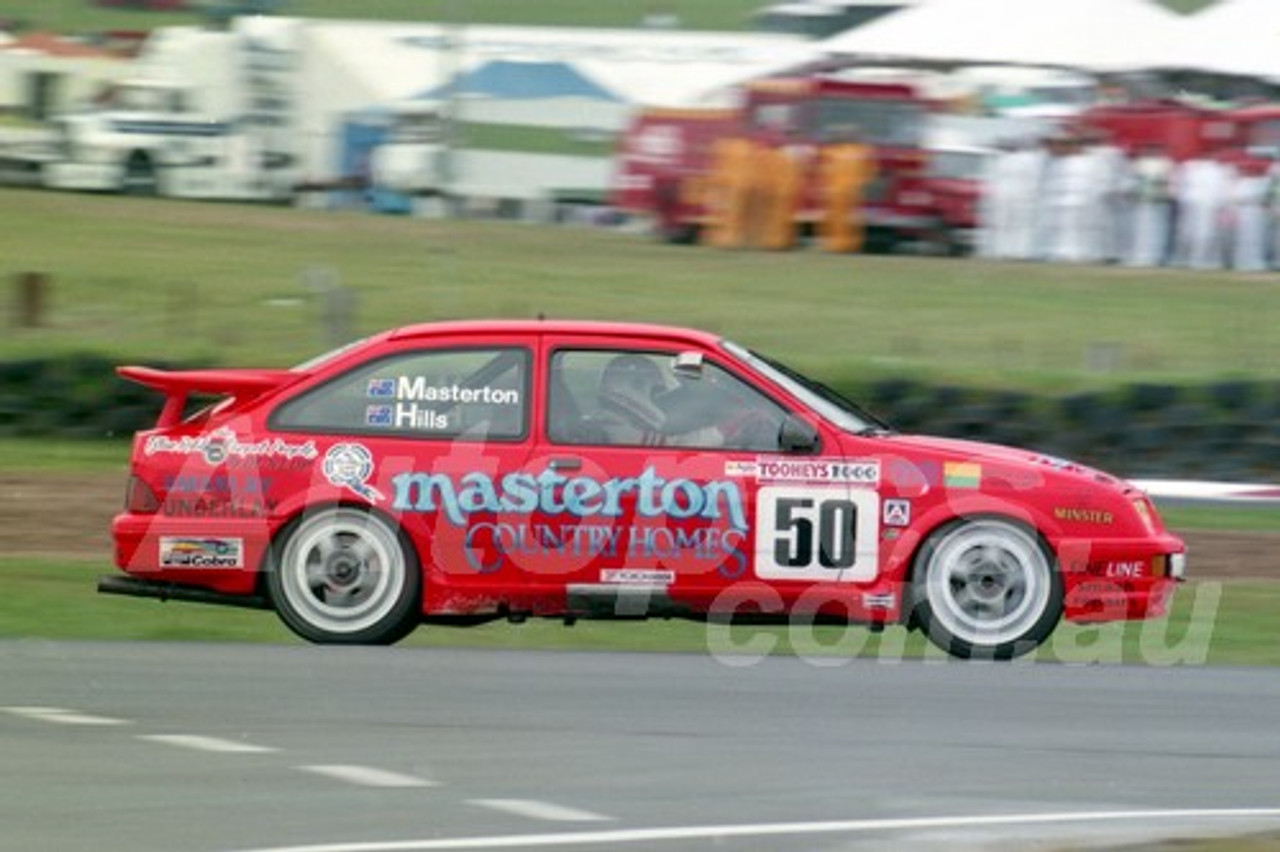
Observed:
{"x":817,"y":533}
{"x":183,"y":552}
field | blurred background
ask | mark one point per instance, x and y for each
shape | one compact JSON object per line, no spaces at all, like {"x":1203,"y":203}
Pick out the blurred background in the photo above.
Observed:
{"x":1047,"y":222}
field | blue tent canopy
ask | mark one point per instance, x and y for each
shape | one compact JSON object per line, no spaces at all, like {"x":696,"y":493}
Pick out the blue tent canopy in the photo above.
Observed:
{"x":512,"y":80}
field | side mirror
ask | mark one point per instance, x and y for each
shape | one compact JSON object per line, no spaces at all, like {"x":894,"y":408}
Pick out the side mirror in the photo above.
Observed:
{"x":797,"y":436}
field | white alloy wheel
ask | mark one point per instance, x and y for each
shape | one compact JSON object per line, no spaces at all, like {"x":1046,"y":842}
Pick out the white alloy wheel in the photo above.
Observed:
{"x":986,"y":588}
{"x":343,"y":576}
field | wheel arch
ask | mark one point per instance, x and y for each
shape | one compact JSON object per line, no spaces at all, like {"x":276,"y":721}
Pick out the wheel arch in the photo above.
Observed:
{"x":937,"y":525}
{"x":1024,"y":520}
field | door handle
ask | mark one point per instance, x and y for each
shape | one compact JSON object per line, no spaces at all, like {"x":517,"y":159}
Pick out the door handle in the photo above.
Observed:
{"x":567,"y":463}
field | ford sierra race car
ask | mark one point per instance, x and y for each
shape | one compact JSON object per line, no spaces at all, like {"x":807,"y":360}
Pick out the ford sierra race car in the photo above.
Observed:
{"x":461,"y":472}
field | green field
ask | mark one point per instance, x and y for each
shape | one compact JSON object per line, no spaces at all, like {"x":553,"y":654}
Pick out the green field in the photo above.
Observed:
{"x":156,"y":280}
{"x":162,"y":281}
{"x":1213,"y":623}
{"x":78,"y":16}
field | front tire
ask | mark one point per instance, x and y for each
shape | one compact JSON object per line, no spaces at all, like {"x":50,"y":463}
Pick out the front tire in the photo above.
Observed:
{"x":986,"y":588}
{"x":345,"y":576}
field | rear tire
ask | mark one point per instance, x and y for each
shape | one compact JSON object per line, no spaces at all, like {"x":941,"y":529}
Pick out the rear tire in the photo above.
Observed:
{"x":986,"y":588}
{"x":345,"y":576}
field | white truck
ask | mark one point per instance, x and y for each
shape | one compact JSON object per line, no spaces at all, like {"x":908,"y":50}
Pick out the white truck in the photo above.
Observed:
{"x":146,"y":144}
{"x":206,"y":118}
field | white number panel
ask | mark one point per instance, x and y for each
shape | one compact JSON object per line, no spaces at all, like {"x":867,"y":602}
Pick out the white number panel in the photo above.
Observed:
{"x":817,"y":533}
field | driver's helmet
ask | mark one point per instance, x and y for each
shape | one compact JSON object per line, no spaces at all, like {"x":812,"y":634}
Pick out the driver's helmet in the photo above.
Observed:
{"x":630,"y":383}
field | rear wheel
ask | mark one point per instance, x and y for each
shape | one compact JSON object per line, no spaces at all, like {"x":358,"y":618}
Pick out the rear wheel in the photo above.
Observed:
{"x":345,"y":576}
{"x":986,"y":588}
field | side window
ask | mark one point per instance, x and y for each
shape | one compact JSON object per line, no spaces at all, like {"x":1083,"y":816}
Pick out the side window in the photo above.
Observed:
{"x":450,"y":393}
{"x":638,"y":399}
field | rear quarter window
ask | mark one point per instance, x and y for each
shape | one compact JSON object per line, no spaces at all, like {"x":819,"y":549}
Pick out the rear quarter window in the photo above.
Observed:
{"x":479,"y":394}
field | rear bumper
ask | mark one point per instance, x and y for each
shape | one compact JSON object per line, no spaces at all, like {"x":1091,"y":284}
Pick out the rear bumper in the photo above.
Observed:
{"x":137,"y":587}
{"x":223,"y":555}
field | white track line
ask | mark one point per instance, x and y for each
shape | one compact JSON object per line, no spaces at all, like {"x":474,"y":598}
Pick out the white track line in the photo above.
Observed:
{"x":705,"y":832}
{"x":62,"y":716}
{"x":211,"y":744}
{"x":366,"y":776}
{"x":534,"y":809}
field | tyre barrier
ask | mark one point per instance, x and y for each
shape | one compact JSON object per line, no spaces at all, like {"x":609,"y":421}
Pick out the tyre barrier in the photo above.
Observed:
{"x":1227,"y":431}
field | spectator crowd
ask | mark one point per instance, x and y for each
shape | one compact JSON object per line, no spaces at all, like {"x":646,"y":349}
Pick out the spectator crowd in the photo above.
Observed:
{"x":1081,"y":199}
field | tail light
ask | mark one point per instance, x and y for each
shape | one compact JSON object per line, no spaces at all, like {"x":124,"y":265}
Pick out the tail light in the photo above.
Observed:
{"x":139,"y":498}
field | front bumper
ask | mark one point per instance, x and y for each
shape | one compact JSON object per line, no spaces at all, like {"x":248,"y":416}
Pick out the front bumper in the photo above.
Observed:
{"x":1121,"y":579}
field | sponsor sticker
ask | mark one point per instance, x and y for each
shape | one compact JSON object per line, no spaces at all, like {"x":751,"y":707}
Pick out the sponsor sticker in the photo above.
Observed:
{"x":222,"y":445}
{"x":740,"y":468}
{"x":350,"y":466}
{"x":182,"y":552}
{"x":826,"y":471}
{"x":1125,"y":570}
{"x":897,"y":513}
{"x":961,"y":474}
{"x":1083,"y":516}
{"x":885,"y":600}
{"x":637,"y":577}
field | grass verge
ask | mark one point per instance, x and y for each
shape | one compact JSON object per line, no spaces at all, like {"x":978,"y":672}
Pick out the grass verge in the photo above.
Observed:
{"x":246,"y":294}
{"x":1215,"y":623}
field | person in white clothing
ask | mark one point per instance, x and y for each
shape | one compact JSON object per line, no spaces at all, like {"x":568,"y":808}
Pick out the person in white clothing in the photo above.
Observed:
{"x":1273,"y":206}
{"x":993,"y":208}
{"x":1070,"y":189}
{"x":1026,"y":170}
{"x":1250,"y":227}
{"x":1202,"y":191}
{"x":1152,"y":206}
{"x":1108,"y":219}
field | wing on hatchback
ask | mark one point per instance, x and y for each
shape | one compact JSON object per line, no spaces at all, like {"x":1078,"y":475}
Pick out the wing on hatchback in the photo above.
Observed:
{"x":178,"y":385}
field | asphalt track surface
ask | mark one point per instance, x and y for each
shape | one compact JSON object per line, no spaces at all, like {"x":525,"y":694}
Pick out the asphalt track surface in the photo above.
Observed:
{"x":136,"y":746}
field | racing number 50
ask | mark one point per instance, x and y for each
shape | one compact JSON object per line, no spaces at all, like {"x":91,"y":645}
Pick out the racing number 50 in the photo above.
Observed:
{"x":796,"y":521}
{"x":819,"y":533}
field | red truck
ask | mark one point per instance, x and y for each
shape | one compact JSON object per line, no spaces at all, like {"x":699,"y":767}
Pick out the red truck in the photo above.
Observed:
{"x":1247,"y":133}
{"x":1182,"y":130}
{"x":664,"y":158}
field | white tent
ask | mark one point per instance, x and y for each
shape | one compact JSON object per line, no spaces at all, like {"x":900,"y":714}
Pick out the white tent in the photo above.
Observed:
{"x":349,"y":65}
{"x":1231,"y":37}
{"x":1098,"y":35}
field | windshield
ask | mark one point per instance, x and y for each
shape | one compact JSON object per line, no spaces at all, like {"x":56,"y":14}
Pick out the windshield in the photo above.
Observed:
{"x":817,"y":397}
{"x":897,"y":123}
{"x":1266,"y":134}
{"x":957,"y":165}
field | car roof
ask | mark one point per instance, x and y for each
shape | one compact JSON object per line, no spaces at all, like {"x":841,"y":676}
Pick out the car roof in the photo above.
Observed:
{"x":606,"y":330}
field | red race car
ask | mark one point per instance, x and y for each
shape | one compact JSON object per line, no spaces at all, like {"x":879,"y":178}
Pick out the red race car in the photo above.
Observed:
{"x":462,"y":472}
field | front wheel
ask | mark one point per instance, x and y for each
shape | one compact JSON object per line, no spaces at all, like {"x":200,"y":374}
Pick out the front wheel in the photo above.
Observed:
{"x":986,"y":588}
{"x":344,"y":576}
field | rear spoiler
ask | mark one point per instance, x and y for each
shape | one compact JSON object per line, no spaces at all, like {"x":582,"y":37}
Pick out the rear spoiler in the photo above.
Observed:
{"x":177,"y":385}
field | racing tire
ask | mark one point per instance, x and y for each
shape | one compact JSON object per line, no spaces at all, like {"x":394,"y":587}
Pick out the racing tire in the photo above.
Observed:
{"x":986,"y":588}
{"x":345,"y":576}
